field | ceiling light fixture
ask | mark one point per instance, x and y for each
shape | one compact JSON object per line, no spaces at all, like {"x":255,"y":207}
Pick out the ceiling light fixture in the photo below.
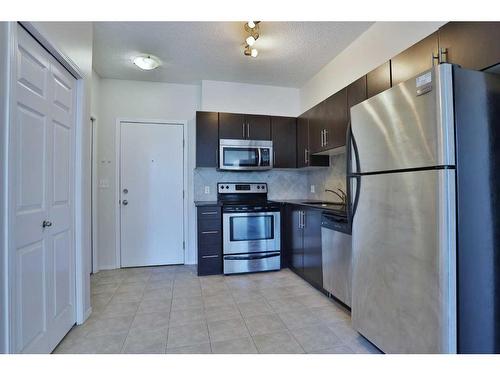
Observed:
{"x":251,"y":27}
{"x":147,"y":62}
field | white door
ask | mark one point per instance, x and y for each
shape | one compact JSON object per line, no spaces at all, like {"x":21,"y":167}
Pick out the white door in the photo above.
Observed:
{"x":151,"y":189}
{"x":43,"y":264}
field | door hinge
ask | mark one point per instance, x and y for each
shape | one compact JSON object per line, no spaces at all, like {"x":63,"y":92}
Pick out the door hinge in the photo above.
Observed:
{"x":183,"y":194}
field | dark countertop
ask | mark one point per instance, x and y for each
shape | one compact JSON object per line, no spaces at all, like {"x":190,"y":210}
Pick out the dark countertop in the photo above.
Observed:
{"x":334,"y":208}
{"x":206,"y":203}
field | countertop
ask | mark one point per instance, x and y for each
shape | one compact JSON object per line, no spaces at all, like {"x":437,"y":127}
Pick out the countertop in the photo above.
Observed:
{"x":206,"y":203}
{"x":334,"y":208}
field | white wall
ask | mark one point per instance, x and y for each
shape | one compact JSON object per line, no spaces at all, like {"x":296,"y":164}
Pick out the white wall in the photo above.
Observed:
{"x":245,"y":98}
{"x":378,"y":44}
{"x":139,"y":100}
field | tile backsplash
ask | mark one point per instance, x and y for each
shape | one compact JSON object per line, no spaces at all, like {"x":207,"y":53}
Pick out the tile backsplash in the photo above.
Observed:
{"x":282,"y":183}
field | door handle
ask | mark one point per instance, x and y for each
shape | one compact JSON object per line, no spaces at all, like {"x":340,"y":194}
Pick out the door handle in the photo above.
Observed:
{"x":46,"y":224}
{"x":125,"y":202}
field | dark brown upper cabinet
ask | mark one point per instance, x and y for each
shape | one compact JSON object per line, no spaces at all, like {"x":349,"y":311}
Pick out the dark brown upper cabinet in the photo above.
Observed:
{"x":378,"y":80}
{"x":232,"y":126}
{"x":258,"y":127}
{"x":356,"y":93}
{"x":207,"y":139}
{"x":284,"y":136}
{"x":241,"y":126}
{"x":334,"y":121}
{"x":472,"y":45}
{"x":414,"y":60}
{"x":316,"y":117}
{"x":303,"y":140}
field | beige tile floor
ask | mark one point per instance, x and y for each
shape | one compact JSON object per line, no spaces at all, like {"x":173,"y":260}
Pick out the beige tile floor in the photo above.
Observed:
{"x":172,"y":310}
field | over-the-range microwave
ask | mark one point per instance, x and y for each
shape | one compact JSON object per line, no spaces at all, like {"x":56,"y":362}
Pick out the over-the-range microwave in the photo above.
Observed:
{"x":245,"y":155}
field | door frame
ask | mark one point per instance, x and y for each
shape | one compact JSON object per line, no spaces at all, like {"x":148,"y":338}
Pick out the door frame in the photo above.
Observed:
{"x":93,"y":178}
{"x":118,"y":126}
{"x":78,"y":194}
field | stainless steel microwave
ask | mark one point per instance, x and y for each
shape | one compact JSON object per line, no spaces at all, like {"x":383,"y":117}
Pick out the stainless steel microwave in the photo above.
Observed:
{"x":245,"y":155}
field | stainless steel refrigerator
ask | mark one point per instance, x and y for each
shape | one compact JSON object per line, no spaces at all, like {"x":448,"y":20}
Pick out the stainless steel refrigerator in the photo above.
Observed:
{"x":420,"y":153}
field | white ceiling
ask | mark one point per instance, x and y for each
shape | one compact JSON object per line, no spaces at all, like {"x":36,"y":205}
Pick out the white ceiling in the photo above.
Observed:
{"x":290,"y":53}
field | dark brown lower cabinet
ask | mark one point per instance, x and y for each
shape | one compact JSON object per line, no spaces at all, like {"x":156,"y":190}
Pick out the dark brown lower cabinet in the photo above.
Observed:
{"x":313,"y":270}
{"x":303,"y":245}
{"x":209,"y":240}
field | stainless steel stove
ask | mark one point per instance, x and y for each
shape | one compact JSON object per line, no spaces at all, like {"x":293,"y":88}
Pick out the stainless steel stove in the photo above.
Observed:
{"x":250,"y":228}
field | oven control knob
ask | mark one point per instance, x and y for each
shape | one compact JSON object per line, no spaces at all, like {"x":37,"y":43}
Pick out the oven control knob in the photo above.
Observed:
{"x":222,"y":187}
{"x":258,"y":187}
{"x":227,"y":187}
{"x":262,"y":186}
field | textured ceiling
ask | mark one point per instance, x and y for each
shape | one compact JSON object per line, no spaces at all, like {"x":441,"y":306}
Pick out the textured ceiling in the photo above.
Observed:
{"x":290,"y":53}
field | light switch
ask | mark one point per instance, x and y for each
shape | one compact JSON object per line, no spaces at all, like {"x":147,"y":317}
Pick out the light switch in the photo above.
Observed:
{"x":207,"y":189}
{"x":313,"y":189}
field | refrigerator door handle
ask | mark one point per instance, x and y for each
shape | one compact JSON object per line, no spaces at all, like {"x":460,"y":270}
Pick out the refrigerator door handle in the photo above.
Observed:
{"x":352,"y":146}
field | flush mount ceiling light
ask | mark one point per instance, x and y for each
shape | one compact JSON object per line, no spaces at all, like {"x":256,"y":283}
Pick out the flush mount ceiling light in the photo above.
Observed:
{"x":252,"y":28}
{"x":147,"y":62}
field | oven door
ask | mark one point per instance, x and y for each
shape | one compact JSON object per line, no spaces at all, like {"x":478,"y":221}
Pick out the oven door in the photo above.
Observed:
{"x":251,"y":232}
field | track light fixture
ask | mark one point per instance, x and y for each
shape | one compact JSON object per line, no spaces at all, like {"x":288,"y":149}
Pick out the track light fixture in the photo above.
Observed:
{"x":252,"y":28}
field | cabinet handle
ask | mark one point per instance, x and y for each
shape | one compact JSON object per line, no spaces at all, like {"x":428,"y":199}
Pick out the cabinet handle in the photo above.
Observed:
{"x":209,"y":256}
{"x":243,"y":127}
{"x":216,"y":157}
{"x":434,"y":58}
{"x":210,"y":232}
{"x":274,"y":158}
{"x":306,"y":156}
{"x":443,"y":55}
{"x":210,"y":213}
{"x":323,"y":138}
{"x":303,"y":219}
{"x":248,"y":130}
{"x":326,"y":137}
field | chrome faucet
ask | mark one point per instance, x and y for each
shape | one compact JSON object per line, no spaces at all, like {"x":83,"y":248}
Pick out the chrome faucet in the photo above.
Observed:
{"x":339,"y":193}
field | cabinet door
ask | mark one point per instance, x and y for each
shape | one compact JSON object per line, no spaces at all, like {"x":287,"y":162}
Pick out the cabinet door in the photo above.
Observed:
{"x":313,"y":270}
{"x":207,"y":139}
{"x":356,"y":93}
{"x":232,"y":126}
{"x":303,"y":141}
{"x":378,"y":80}
{"x":258,"y":127}
{"x":472,"y":45}
{"x":316,"y":125}
{"x":284,"y":135}
{"x":296,"y":239}
{"x":414,"y":60}
{"x":335,"y":122}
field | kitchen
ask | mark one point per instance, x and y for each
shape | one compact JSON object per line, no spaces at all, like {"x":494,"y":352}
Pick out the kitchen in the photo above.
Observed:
{"x":329,"y":216}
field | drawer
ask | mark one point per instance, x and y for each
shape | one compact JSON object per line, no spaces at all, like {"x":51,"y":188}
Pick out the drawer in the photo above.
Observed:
{"x":209,"y":264}
{"x":205,"y":249}
{"x":209,"y":212}
{"x":209,"y":238}
{"x":210,"y":226}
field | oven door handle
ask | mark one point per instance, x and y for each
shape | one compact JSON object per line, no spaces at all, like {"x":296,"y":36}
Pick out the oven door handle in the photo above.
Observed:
{"x":251,"y":257}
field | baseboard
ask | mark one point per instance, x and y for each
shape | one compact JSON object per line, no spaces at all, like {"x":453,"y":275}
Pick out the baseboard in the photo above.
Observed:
{"x":85,"y":316}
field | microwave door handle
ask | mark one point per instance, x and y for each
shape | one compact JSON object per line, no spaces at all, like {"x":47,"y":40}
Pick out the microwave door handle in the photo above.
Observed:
{"x":260,"y":157}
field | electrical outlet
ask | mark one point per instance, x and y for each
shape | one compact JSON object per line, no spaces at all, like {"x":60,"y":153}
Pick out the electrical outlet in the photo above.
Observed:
{"x":313,"y":189}
{"x":207,"y":189}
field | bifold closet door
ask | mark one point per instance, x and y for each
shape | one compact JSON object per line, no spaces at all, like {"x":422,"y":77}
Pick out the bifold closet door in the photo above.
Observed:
{"x":43,"y":146}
